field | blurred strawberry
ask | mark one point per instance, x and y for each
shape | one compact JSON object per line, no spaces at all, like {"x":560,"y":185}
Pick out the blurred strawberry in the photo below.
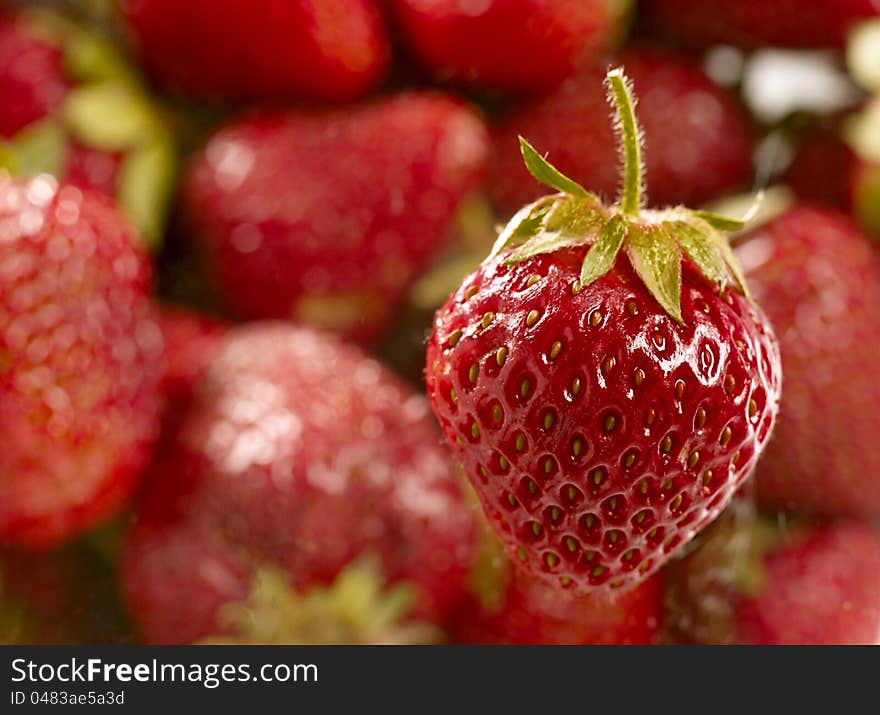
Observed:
{"x":755,"y":23}
{"x":80,"y":360}
{"x":73,"y":109}
{"x":518,"y":45}
{"x":513,"y":608}
{"x":699,"y":137}
{"x":328,"y":217}
{"x":262,"y":49}
{"x":818,"y":277}
{"x":822,"y":169}
{"x":191,"y":341}
{"x":306,"y":499}
{"x":752,"y":582}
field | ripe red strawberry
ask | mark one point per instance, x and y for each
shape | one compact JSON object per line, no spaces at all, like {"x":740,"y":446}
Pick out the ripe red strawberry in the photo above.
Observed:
{"x":513,"y":608}
{"x":605,"y":403}
{"x":699,"y":136}
{"x":308,"y":479}
{"x":71,"y":108}
{"x":80,"y":361}
{"x":327,"y":217}
{"x":262,"y":49}
{"x":752,"y":582}
{"x":519,"y":45}
{"x":754,"y":23}
{"x":819,"y":277}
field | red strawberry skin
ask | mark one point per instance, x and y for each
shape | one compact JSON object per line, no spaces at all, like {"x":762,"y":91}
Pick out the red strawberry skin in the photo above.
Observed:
{"x":820,"y":588}
{"x":32,"y":82}
{"x":262,"y":49}
{"x":818,"y":276}
{"x":531,"y":613}
{"x":699,"y":139}
{"x":301,"y":452}
{"x":81,"y":361}
{"x":755,"y":23}
{"x":599,"y":434}
{"x":518,"y":45}
{"x":327,"y":217}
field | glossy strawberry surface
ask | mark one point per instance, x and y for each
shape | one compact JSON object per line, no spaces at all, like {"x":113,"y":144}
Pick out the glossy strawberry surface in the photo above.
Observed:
{"x":328,"y":217}
{"x":300,"y":452}
{"x":818,"y":276}
{"x":698,"y":139}
{"x":600,"y":434}
{"x":81,"y":360}
{"x":262,"y":49}
{"x":519,"y":45}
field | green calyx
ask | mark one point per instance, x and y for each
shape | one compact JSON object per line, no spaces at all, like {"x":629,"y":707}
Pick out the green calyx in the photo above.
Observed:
{"x":654,"y":241}
{"x":109,"y":110}
{"x":358,"y":608}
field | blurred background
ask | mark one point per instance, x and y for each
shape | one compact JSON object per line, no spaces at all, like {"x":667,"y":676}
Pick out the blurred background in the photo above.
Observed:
{"x":344,"y":164}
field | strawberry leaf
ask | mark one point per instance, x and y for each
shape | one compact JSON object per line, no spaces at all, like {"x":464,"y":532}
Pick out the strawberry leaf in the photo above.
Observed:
{"x":720,"y":240}
{"x":145,"y":186}
{"x":110,"y":116}
{"x":656,"y":258}
{"x":602,"y":254}
{"x":38,"y":148}
{"x":549,"y":175}
{"x":544,"y":242}
{"x":702,"y":250}
{"x":722,"y":223}
{"x":524,"y":224}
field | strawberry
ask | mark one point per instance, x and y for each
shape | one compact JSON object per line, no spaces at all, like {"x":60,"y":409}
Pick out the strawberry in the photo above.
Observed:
{"x":701,"y":149}
{"x":327,"y":217}
{"x":602,"y":378}
{"x":755,"y":23}
{"x":752,"y":582}
{"x":523,"y":45}
{"x":73,"y":109}
{"x":512,"y":608}
{"x":81,"y":360}
{"x":262,"y":49}
{"x":819,"y":277}
{"x":305,"y":479}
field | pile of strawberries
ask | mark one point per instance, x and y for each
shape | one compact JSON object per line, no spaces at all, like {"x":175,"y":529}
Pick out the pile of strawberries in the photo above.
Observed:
{"x":239,"y":241}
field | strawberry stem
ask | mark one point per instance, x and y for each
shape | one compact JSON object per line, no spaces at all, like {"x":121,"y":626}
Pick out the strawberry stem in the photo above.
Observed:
{"x":620,"y":96}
